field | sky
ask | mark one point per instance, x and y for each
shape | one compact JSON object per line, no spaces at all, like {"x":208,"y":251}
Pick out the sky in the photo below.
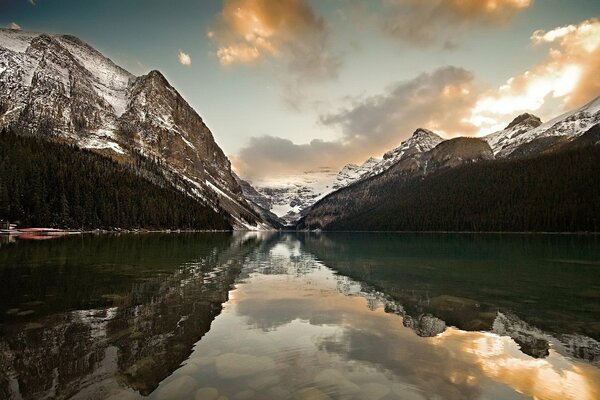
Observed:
{"x":288,"y":86}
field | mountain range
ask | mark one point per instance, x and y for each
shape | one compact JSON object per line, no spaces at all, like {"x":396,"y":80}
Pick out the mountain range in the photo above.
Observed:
{"x":58,"y":88}
{"x":525,"y":136}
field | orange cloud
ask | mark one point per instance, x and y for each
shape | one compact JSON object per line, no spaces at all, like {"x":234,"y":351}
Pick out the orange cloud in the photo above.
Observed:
{"x":570,"y":73}
{"x":287,"y":31}
{"x":431,"y":21}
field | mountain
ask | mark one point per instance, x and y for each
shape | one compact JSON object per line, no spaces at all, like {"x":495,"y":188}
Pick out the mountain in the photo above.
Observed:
{"x":528,"y":128}
{"x":72,"y":188}
{"x":60,"y":88}
{"x":290,"y":199}
{"x":555,"y":192}
{"x":259,"y":203}
{"x":368,"y":192}
{"x":422,"y":140}
{"x":352,"y":172}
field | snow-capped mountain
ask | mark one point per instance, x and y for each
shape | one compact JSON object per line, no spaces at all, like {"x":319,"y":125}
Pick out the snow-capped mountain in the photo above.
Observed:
{"x":422,"y":140}
{"x":527,"y":128}
{"x":352,"y":172}
{"x":287,"y":200}
{"x":60,"y":87}
{"x":370,"y":191}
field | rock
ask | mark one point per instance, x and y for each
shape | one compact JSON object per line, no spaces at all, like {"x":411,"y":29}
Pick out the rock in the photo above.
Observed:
{"x":407,"y":392}
{"x":189,"y":369}
{"x":278,"y":392}
{"x":263,"y":381}
{"x":245,"y":395}
{"x":373,"y":391}
{"x":331,"y":380}
{"x":202,"y":361}
{"x":180,"y":388}
{"x":231,"y":365}
{"x":207,"y":394}
{"x":310,"y":394}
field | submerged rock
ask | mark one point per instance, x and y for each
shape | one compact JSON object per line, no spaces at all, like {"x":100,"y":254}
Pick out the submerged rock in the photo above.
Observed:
{"x":407,"y":392}
{"x":374,"y":391}
{"x":231,"y":365}
{"x":247,"y":394}
{"x":310,"y":394}
{"x":207,"y":394}
{"x":332,"y":381}
{"x":263,"y":381}
{"x":180,"y":388}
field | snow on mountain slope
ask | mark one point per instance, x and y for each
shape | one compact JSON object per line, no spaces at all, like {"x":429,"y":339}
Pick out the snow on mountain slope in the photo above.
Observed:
{"x":288,"y":199}
{"x":352,"y":172}
{"x":422,"y":140}
{"x":60,"y":87}
{"x":111,"y":81}
{"x":526,"y":128}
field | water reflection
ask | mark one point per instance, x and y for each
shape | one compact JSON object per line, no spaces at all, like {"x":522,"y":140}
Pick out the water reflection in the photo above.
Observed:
{"x":310,"y":317}
{"x":90,"y":314}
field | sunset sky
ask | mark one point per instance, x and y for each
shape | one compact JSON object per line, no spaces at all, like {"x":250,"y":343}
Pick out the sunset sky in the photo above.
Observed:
{"x":292,"y":85}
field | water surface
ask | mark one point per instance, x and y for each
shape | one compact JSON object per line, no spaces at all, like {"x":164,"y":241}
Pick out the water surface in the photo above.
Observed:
{"x":301,"y":316}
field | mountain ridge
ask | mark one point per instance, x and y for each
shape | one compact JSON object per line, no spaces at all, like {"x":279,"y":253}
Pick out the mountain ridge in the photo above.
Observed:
{"x":59,"y":85}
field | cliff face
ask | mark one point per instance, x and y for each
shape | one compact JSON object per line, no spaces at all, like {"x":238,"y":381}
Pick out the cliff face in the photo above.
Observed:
{"x":60,"y":87}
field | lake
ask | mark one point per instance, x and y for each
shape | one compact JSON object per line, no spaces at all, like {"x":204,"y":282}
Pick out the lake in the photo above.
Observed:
{"x":366,"y":316}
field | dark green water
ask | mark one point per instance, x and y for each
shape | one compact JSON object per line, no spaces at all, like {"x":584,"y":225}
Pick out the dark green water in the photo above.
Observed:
{"x":301,"y":316}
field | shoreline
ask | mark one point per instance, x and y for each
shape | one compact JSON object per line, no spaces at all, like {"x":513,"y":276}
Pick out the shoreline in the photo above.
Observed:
{"x":60,"y":232}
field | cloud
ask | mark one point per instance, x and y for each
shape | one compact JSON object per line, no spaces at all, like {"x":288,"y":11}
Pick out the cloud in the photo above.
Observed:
{"x":184,"y":58}
{"x":426,"y":22}
{"x":441,"y":101}
{"x":570,"y":73}
{"x":14,"y":26}
{"x":286,"y":34}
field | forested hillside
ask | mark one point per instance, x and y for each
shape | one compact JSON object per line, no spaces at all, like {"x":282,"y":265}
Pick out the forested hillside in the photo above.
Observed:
{"x":43,"y":183}
{"x":559,"y":192}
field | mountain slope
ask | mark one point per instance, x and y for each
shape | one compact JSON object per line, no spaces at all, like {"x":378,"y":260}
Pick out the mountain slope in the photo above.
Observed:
{"x":367,"y":193}
{"x":58,"y":86}
{"x":79,"y":189}
{"x":527,"y":128}
{"x":290,"y":199}
{"x":557,"y":192}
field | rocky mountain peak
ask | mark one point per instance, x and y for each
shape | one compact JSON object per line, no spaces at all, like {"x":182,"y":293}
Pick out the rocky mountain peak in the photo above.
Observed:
{"x":525,"y":119}
{"x":453,"y":152}
{"x":423,"y":133}
{"x":421,"y":140}
{"x":61,"y":87}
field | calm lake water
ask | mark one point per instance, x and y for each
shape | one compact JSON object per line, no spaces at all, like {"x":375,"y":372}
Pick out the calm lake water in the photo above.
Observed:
{"x":300,"y":316}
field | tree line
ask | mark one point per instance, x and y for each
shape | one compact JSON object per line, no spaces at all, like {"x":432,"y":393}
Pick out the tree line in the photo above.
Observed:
{"x":558,"y":192}
{"x":50,"y":184}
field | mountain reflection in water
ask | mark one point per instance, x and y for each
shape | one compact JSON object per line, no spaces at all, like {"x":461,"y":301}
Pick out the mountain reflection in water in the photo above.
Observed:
{"x":330,"y":316}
